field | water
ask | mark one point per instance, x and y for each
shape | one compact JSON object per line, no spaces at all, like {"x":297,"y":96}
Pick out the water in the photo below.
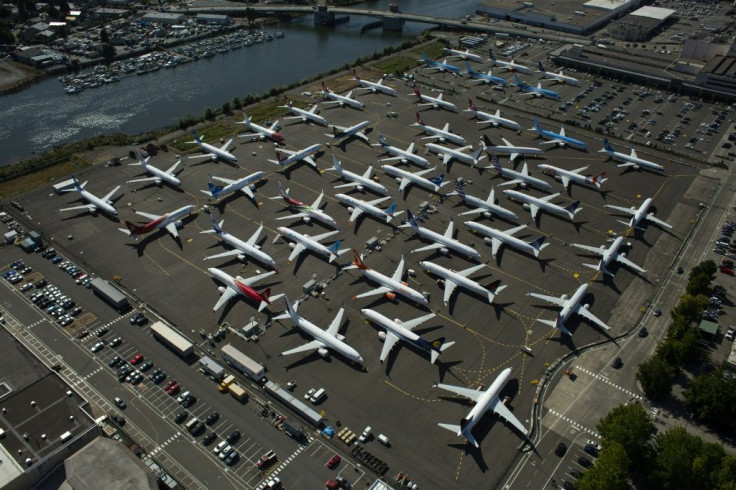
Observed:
{"x":43,"y":116}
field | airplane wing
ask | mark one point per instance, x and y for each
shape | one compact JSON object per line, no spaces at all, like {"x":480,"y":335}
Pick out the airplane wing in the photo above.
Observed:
{"x":227,"y":295}
{"x":336,"y":322}
{"x":171,"y":228}
{"x":229,"y":253}
{"x":274,"y":126}
{"x":147,"y":215}
{"x":247,"y":191}
{"x":391,"y":159}
{"x":110,"y":194}
{"x":514,"y":230}
{"x":254,"y":238}
{"x":459,"y":390}
{"x":310,"y":161}
{"x":349,"y":184}
{"x":88,"y":207}
{"x":226,"y":145}
{"x":446,"y":159}
{"x":626,"y":165}
{"x":503,"y":411}
{"x":550,"y":197}
{"x":578,"y":170}
{"x":565,"y":181}
{"x":256,"y":279}
{"x":322,"y":236}
{"x":434,"y":246}
{"x":495,"y":245}
{"x":450,"y":287}
{"x":313,"y":345}
{"x":585,"y":313}
{"x":362,"y":135}
{"x":623,"y":210}
{"x":552,"y":299}
{"x":633,"y":153}
{"x":412,"y":324}
{"x":650,"y":217}
{"x":511,"y":182}
{"x":404,"y":183}
{"x":555,"y":141}
{"x":472,"y":211}
{"x":298,"y":248}
{"x":318,"y":201}
{"x":588,"y":248}
{"x":388,"y":344}
{"x":623,"y":260}
{"x":533,"y":210}
{"x":374,"y":292}
{"x":470,"y":270}
{"x":171,"y":169}
{"x":292,"y":216}
{"x":145,"y":179}
{"x":448,"y":231}
{"x":399,"y":270}
{"x":222,"y":179}
{"x":355,"y":214}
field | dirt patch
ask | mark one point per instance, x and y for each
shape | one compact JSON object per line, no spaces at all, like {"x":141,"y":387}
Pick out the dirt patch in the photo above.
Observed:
{"x":14,"y":76}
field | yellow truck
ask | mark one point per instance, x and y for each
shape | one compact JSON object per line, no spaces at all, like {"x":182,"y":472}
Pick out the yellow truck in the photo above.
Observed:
{"x":229,"y":379}
{"x":238,"y":392}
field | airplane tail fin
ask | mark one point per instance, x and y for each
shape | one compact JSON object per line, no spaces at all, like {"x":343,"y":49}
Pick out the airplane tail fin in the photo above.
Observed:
{"x":518,"y":81}
{"x":438,"y":347}
{"x":491,"y":55}
{"x":412,"y":221}
{"x":335,"y":131}
{"x":280,"y":157}
{"x":495,"y":286}
{"x":574,"y":208}
{"x":452,"y":428}
{"x":417,"y":92}
{"x":217,"y":227}
{"x":337,"y":164}
{"x":465,"y":430}
{"x":358,"y":261}
{"x":381,"y":140}
{"x":607,"y":146}
{"x":459,"y":189}
{"x":541,"y":68}
{"x":246,"y":119}
{"x":471,"y":106}
{"x":196,"y":136}
{"x":335,"y":247}
{"x":438,"y":180}
{"x":283,"y":192}
{"x":324,"y":88}
{"x":486,"y":141}
{"x":477,"y":155}
{"x":214,"y":189}
{"x":538,"y":245}
{"x":134,"y":229}
{"x":287,"y":101}
{"x":391,"y":209}
{"x":141,"y":160}
{"x":494,"y":162}
{"x":265,"y":295}
{"x":419,"y":119}
{"x":291,"y":310}
{"x":536,"y":126}
{"x":468,"y":69}
{"x":599,"y":178}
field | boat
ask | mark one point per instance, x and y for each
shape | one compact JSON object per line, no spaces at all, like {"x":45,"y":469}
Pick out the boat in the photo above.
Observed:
{"x":73,"y":89}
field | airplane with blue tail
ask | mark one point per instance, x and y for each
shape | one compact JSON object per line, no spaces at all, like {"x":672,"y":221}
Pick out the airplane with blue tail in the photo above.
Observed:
{"x":559,"y":139}
{"x":244,"y":185}
{"x":481,"y":77}
{"x":537,"y":91}
{"x":440,"y":66}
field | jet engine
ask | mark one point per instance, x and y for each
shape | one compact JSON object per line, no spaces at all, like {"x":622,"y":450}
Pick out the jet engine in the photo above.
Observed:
{"x":487,"y":215}
{"x":292,"y":245}
{"x":307,"y":219}
{"x":564,"y":296}
{"x":445,"y":250}
{"x":382,"y":335}
{"x":241,"y":257}
{"x":525,"y":206}
{"x":398,"y":180}
{"x":339,"y":337}
{"x":360,"y":188}
{"x":488,"y":240}
{"x":390,"y":296}
{"x":178,"y":223}
{"x":221,"y":289}
{"x":350,"y":209}
{"x":586,"y":306}
{"x":323,"y":352}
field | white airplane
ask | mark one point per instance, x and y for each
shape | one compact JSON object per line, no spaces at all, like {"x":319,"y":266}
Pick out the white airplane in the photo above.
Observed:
{"x":302,"y":115}
{"x":607,"y":255}
{"x":237,"y":286}
{"x":388,"y":286}
{"x":441,"y":135}
{"x":240,"y":249}
{"x":169,"y":222}
{"x":374,"y":87}
{"x":495,"y":238}
{"x":443,"y":243}
{"x":488,"y":207}
{"x":304,"y":154}
{"x":508,"y":149}
{"x":477,"y":76}
{"x":213,"y":152}
{"x":261,"y":132}
{"x":534,"y":204}
{"x":494,"y":120}
{"x":305,"y":242}
{"x":559,"y":139}
{"x":567,"y":177}
{"x":440,"y":66}
{"x":522,"y":179}
{"x":244,"y":185}
{"x":95,"y":203}
{"x":484,"y":401}
{"x":157,"y":176}
{"x":632,"y":161}
{"x":357,"y":207}
{"x":508,"y":65}
{"x":341,"y":100}
{"x":324,"y":340}
{"x":405,"y":178}
{"x":464,"y":55}
{"x":397,"y":330}
{"x":450,"y":154}
{"x":404,"y":156}
{"x":453,"y":279}
{"x":345,"y":133}
{"x":558,"y":77}
{"x":638,"y":214}
{"x":569,"y":306}
{"x":434,"y":102}
{"x":535,"y":91}
{"x":305,"y":212}
{"x":360,"y":182}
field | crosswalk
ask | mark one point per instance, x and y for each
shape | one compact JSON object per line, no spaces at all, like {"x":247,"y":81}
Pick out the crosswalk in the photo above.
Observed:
{"x":282,"y":465}
{"x":574,"y":424}
{"x":165,"y":443}
{"x":600,"y":377}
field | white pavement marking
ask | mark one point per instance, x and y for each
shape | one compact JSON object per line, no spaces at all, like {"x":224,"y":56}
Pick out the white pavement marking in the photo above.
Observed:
{"x":607,"y":381}
{"x":165,"y":443}
{"x":574,"y":424}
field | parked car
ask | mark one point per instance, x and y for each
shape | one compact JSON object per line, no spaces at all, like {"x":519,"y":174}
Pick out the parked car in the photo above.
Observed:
{"x":120,"y":403}
{"x":334,"y":461}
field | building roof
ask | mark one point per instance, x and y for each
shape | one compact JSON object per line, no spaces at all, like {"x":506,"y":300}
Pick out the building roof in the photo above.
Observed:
{"x":105,"y":463}
{"x":724,"y":66}
{"x":658,"y":13}
{"x":163,"y":15}
{"x":606,"y":4}
{"x":708,"y":327}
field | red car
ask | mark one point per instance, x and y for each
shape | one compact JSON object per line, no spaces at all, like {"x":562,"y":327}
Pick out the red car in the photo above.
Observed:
{"x":727,"y":270}
{"x":169,"y":384}
{"x":173,"y":389}
{"x":82,"y":334}
{"x":334,"y":461}
{"x":136,"y":359}
{"x":332,"y":485}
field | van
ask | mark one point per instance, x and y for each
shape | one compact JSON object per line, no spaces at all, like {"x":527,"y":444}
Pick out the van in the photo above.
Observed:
{"x":318,"y":396}
{"x":383,"y":440}
{"x":192,"y":425}
{"x":365,"y":435}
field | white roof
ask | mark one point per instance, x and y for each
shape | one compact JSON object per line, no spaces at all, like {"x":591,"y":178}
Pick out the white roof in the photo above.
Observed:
{"x":653,"y":12}
{"x":606,"y":4}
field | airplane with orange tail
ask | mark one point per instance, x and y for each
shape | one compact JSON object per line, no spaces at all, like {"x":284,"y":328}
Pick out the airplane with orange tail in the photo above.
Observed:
{"x":389,"y":286}
{"x":169,"y":221}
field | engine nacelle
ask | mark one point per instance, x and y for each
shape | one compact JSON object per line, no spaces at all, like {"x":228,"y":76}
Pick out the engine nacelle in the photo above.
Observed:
{"x":325,"y":353}
{"x":488,"y":240}
{"x":390,"y":296}
{"x":292,"y":245}
{"x":623,"y":254}
{"x":241,"y":257}
{"x":339,"y":337}
{"x":525,"y":206}
{"x":350,"y":209}
{"x":360,"y":188}
{"x":178,"y":223}
{"x":221,"y":289}
{"x":307,"y":219}
{"x":487,"y":215}
{"x":564,"y":296}
{"x":398,"y":180}
{"x":586,"y":306}
{"x":382,"y":335}
{"x":523,"y":185}
{"x":444,"y":251}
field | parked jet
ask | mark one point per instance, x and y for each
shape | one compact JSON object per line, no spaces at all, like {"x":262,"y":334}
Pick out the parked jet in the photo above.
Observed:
{"x":157,"y":176}
{"x":213,"y":152}
{"x":513,"y":151}
{"x":304,"y":242}
{"x":638,"y":214}
{"x":567,"y":177}
{"x":508,"y":65}
{"x":558,"y":77}
{"x":450,"y":154}
{"x":488,"y":207}
{"x":262,"y":132}
{"x":569,"y":306}
{"x":453,"y":279}
{"x":169,"y":222}
{"x":608,"y":255}
{"x":302,"y":115}
{"x":397,"y":330}
{"x":241,"y":249}
{"x":404,"y":156}
{"x":95,"y":203}
{"x":235,"y":286}
{"x":434,"y":102}
{"x":440,"y":242}
{"x":341,"y":100}
{"x":440,"y":66}
{"x":534,"y":204}
{"x":407,"y":178}
{"x":358,"y":207}
{"x":537,"y":91}
{"x":464,"y":55}
{"x":373,"y":87}
{"x":632,"y":160}
{"x":495,"y":238}
{"x":324,"y":340}
{"x":304,"y":154}
{"x":487,"y":78}
{"x":558,"y":139}
{"x":388,"y":286}
{"x":494,"y":120}
{"x":346,"y":133}
{"x":522,"y":179}
{"x":441,"y":135}
{"x":360,"y":182}
{"x":484,"y":401}
{"x":244,"y":185}
{"x":305,"y":212}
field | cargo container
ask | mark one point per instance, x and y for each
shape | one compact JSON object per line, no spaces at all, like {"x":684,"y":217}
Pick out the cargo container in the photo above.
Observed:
{"x":238,"y":392}
{"x":243,"y":363}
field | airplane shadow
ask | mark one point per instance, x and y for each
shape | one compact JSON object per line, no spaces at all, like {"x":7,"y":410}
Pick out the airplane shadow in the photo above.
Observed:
{"x":286,"y":172}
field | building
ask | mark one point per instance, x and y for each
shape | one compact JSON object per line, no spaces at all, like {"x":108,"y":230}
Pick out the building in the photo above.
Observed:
{"x":719,"y":74}
{"x":168,"y":18}
{"x":641,"y":24}
{"x":105,"y":463}
{"x":40,"y":32}
{"x":105,"y":13}
{"x":214,"y":19}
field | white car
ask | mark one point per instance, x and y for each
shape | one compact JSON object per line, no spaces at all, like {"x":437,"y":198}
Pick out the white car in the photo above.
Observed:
{"x":591,"y":442}
{"x":309,"y":393}
{"x":98,"y":347}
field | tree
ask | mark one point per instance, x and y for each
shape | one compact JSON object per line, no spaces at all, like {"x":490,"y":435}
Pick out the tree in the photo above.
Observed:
{"x":726,"y":479}
{"x":108,"y":52}
{"x":226,"y":108}
{"x":611,"y":470}
{"x":698,"y":284}
{"x":676,"y":450}
{"x":209,"y":114}
{"x":656,"y":376}
{"x":689,"y":309}
{"x":711,"y":399}
{"x":237,"y":104}
{"x":104,"y":38}
{"x":630,"y":426}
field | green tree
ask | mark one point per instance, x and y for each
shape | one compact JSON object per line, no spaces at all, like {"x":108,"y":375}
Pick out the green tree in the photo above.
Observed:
{"x":237,"y":104}
{"x":676,"y":450}
{"x":226,"y":108}
{"x":726,"y":478}
{"x":689,"y":309}
{"x":698,"y":284}
{"x":610,"y":472}
{"x":209,"y":114}
{"x":630,"y":426}
{"x":104,"y":37}
{"x":711,"y":399}
{"x":656,"y":376}
{"x":108,"y":52}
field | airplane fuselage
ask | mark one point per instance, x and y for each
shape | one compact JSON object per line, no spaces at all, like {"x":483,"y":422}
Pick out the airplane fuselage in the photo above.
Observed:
{"x":397,"y":329}
{"x":364,"y":182}
{"x":456,"y":154}
{"x":438,"y":103}
{"x":367,"y":207}
{"x":238,"y":185}
{"x":353,"y":130}
{"x":450,"y":243}
{"x":502,"y":237}
{"x":376,"y":87}
{"x":342,"y":100}
{"x":442,"y":135}
{"x":641,"y":212}
{"x":395,"y":286}
{"x":558,"y":173}
{"x":564,"y":140}
{"x":528,"y":179}
{"x":638,"y":162}
{"x":572,"y":303}
{"x":216,"y":152}
{"x":301,"y":154}
{"x":306,"y":115}
{"x":161,"y":175}
{"x":98,"y":203}
{"x":465,"y":55}
{"x":508,"y":150}
{"x":543,"y":205}
{"x":306,"y":241}
{"x":247,"y":249}
{"x":166,"y":219}
{"x":413,"y":178}
{"x":453,"y":276}
{"x":496,"y":120}
{"x":491,"y":207}
{"x":237,"y":285}
{"x":328,"y":340}
{"x":406,"y":156}
{"x":559,"y":77}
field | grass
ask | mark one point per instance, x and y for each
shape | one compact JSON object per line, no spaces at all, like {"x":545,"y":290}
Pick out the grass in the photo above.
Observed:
{"x":402,"y":62}
{"x":39,"y":178}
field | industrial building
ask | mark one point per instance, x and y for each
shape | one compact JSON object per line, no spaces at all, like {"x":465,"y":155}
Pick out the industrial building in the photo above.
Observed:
{"x":214,"y":19}
{"x":169,"y":18}
{"x":105,"y":463}
{"x":642,"y":24}
{"x":719,"y":74}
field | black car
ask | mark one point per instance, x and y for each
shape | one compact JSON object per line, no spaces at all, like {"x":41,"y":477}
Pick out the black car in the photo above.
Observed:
{"x":593,"y":451}
{"x":118,"y":419}
{"x":134,"y":318}
{"x":561,"y":449}
{"x":115,"y":362}
{"x":617,"y":363}
{"x":643,"y":332}
{"x":584,"y":462}
{"x":577,"y":474}
{"x":212,"y":418}
{"x":233,"y":437}
{"x":232,"y":458}
{"x":189,"y":401}
{"x":181,"y":417}
{"x":209,"y":438}
{"x":141,"y":320}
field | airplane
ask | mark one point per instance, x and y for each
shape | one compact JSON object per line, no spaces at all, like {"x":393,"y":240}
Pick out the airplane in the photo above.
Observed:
{"x":324,"y":340}
{"x":158,"y":176}
{"x":534,"y":204}
{"x":261,"y":132}
{"x":374,"y":87}
{"x":453,"y":279}
{"x":569,"y":176}
{"x":304,"y":211}
{"x":507,"y":148}
{"x":495,"y":238}
{"x":440,"y":66}
{"x":569,"y":306}
{"x":484,"y":401}
{"x":388,"y":286}
{"x":397,"y":330}
{"x":522,"y":179}
{"x":243,"y":185}
{"x":345,"y":133}
{"x":632,"y":160}
{"x":358,"y":207}
{"x":434,"y":102}
{"x":450,"y":154}
{"x":558,"y":77}
{"x":404,"y":156}
{"x":305,"y":242}
{"x":341,"y":100}
{"x":638,"y":214}
{"x":235,"y":286}
{"x":240,"y":249}
{"x":304,"y":154}
{"x":441,"y":135}
{"x":95,"y":203}
{"x":302,"y":115}
{"x":169,"y":222}
{"x":213,"y":152}
{"x":537,"y":91}
{"x":508,"y":65}
{"x":494,"y":120}
{"x":481,"y":77}
{"x":607,"y":255}
{"x":443,"y":243}
{"x":488,"y":207}
{"x":464,"y":55}
{"x":407,"y":178}
{"x":360,"y":182}
{"x":558,"y":139}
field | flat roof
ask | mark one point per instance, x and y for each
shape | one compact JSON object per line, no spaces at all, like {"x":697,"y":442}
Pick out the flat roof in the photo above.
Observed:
{"x":658,"y":13}
{"x":105,"y":463}
{"x":724,"y":66}
{"x":708,"y":327}
{"x":606,"y":4}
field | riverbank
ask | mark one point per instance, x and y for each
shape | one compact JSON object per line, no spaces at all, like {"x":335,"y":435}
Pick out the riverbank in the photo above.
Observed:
{"x":16,"y":76}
